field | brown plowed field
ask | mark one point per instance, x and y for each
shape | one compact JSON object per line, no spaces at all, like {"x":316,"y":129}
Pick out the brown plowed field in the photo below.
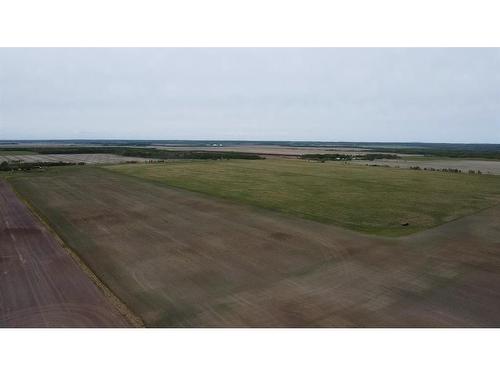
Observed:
{"x":182,"y":259}
{"x":40,"y":283}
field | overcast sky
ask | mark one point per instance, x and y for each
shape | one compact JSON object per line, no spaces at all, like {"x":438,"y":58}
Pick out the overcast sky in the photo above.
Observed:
{"x":429,"y":95}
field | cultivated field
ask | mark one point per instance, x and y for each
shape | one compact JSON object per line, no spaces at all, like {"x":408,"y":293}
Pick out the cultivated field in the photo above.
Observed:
{"x":40,"y":283}
{"x":183,"y":259}
{"x":367,"y":199}
{"x":14,"y":153}
{"x":273,"y":150}
{"x":68,"y":158}
{"x":485,"y":166}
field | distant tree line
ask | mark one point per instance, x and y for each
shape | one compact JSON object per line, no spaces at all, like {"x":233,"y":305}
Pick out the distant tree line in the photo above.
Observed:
{"x":154,"y":153}
{"x":347,"y":157}
{"x":394,"y":147}
{"x":151,"y":153}
{"x":372,"y":157}
{"x":5,"y":166}
{"x":474,"y":153}
{"x":418,"y":168}
{"x":450,"y":170}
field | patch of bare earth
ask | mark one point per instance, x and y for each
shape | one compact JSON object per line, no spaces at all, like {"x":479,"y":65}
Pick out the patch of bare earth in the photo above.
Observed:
{"x":40,"y":283}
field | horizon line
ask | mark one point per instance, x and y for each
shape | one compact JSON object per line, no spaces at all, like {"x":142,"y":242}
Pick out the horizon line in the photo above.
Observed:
{"x":3,"y":141}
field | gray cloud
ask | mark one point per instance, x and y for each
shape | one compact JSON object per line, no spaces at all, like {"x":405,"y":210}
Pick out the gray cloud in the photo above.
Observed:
{"x":440,"y":95}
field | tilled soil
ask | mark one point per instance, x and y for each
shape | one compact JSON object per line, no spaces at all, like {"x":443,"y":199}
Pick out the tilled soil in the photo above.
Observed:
{"x":40,"y":283}
{"x":181,"y":259}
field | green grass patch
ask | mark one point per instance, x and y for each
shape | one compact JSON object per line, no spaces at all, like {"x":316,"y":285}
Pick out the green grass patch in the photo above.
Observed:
{"x":370,"y":200}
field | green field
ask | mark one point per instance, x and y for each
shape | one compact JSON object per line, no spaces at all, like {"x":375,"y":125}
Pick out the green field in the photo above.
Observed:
{"x":182,"y":259}
{"x":367,"y":199}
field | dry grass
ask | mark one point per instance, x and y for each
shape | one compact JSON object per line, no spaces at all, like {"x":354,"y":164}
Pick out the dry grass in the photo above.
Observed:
{"x":367,"y":199}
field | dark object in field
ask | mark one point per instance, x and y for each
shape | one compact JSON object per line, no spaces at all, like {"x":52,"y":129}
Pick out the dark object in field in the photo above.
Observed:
{"x":405,"y":224}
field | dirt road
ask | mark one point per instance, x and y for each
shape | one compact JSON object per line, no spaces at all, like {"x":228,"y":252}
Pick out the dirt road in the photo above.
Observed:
{"x":40,"y":283}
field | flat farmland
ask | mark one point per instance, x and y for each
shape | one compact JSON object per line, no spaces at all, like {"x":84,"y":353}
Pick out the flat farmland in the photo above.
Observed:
{"x":271,"y":150}
{"x":40,"y":283}
{"x":183,"y":259}
{"x":22,"y":156}
{"x":366,"y":199}
{"x":465,"y":165}
{"x":15,"y":152}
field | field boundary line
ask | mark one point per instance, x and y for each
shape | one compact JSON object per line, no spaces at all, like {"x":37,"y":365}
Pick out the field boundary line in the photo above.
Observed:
{"x":122,"y":308}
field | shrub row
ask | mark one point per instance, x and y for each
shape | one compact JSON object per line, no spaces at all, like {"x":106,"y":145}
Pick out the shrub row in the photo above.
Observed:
{"x":4,"y":166}
{"x":450,"y":170}
{"x":346,"y":157}
{"x":152,"y":153}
